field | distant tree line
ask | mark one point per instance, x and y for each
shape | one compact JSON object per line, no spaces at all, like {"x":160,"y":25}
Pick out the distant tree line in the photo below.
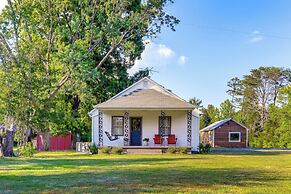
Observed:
{"x":261,"y":100}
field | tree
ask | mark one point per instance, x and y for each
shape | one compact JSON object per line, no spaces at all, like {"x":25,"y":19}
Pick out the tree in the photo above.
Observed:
{"x":51,"y":48}
{"x":227,"y":110}
{"x":197,"y":103}
{"x":257,"y":97}
{"x":277,"y":129}
{"x":235,"y":91}
{"x":260,"y":89}
{"x":209,"y":116}
{"x":146,"y":72}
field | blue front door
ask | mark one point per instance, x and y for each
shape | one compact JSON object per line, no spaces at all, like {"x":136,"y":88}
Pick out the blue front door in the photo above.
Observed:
{"x":135,"y":131}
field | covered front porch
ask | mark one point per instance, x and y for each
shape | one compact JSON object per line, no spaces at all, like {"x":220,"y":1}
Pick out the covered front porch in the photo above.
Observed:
{"x":145,"y":129}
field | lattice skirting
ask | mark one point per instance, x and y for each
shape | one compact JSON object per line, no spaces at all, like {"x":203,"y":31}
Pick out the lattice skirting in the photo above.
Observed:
{"x":189,"y":127}
{"x":126,"y":128}
{"x":100,"y":121}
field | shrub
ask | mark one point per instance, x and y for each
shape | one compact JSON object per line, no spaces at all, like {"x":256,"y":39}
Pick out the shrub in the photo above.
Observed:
{"x":105,"y":150}
{"x":27,"y":150}
{"x":183,"y":150}
{"x":171,"y":150}
{"x":204,"y":148}
{"x":93,"y":149}
{"x":117,"y":150}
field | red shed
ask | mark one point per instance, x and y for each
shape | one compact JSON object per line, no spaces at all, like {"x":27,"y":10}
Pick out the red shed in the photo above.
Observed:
{"x":56,"y":142}
{"x":225,"y":133}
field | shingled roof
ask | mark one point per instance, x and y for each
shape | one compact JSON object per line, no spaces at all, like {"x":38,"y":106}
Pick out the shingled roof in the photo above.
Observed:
{"x":145,"y":99}
{"x":220,"y":123}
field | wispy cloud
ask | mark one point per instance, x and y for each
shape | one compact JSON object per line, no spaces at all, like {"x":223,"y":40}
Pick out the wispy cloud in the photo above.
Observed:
{"x":255,"y":36}
{"x":2,"y":4}
{"x":157,"y":55}
{"x":182,"y":60}
{"x":165,"y":52}
{"x":154,"y":55}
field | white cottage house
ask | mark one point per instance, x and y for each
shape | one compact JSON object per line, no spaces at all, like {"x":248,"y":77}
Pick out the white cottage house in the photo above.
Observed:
{"x":145,"y":111}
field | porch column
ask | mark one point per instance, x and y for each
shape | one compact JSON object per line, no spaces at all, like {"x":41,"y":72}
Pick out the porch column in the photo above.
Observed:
{"x":126,"y":129}
{"x":95,"y":127}
{"x":195,"y":130}
{"x":189,"y":128}
{"x":100,"y":131}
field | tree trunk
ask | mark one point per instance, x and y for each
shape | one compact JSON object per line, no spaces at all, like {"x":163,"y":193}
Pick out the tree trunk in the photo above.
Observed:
{"x":74,"y":140}
{"x":75,"y":108}
{"x":45,"y":140}
{"x":9,"y":140}
{"x":1,"y":151}
{"x":1,"y":146}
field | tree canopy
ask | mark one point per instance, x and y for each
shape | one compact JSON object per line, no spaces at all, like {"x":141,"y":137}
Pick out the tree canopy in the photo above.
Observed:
{"x":261,"y":101}
{"x":58,"y":58}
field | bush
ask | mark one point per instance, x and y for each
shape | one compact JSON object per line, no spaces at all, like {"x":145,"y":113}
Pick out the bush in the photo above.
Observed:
{"x":105,"y":150}
{"x":204,"y":148}
{"x":117,"y":150}
{"x":183,"y":150}
{"x":171,"y":150}
{"x":93,"y":149}
{"x":111,"y":150}
{"x":27,"y":150}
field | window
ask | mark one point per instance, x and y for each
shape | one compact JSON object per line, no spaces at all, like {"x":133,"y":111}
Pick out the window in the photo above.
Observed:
{"x":117,"y":126}
{"x":234,"y":136}
{"x":165,"y":125}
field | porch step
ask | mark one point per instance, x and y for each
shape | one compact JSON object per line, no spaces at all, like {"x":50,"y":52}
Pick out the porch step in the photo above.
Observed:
{"x":144,"y":151}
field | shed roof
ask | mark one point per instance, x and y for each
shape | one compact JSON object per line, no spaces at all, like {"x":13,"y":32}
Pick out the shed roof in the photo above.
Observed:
{"x":145,"y":99}
{"x":220,"y":123}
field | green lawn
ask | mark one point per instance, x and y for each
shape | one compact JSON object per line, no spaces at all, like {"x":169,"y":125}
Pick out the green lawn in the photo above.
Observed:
{"x":69,"y":172}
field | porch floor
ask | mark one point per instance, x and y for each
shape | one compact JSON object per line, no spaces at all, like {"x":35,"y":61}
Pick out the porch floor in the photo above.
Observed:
{"x":148,"y":149}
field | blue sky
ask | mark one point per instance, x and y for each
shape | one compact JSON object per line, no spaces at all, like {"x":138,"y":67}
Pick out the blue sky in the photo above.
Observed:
{"x":219,"y":40}
{"x":215,"y":41}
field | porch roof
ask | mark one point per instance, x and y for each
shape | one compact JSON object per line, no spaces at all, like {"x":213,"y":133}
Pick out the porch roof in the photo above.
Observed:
{"x":146,"y":99}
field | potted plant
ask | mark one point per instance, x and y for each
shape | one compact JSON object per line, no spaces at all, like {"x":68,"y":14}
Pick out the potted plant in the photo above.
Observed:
{"x":146,"y":141}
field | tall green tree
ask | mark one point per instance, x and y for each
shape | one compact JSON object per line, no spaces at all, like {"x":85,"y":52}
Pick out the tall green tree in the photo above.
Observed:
{"x":209,"y":115}
{"x":257,"y":92}
{"x":235,"y":91}
{"x":261,"y":89}
{"x":227,"y":110}
{"x":52,"y":50}
{"x":277,"y":129}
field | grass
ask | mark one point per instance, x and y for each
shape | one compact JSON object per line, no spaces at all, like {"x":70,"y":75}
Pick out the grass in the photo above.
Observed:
{"x":69,"y":172}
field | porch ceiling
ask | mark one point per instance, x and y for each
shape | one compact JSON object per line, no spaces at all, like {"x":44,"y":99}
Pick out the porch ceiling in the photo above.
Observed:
{"x":145,"y":99}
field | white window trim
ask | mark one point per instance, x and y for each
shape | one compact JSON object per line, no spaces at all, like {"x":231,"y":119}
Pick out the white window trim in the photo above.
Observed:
{"x":229,"y":133}
{"x":213,"y":138}
{"x":112,"y":126}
